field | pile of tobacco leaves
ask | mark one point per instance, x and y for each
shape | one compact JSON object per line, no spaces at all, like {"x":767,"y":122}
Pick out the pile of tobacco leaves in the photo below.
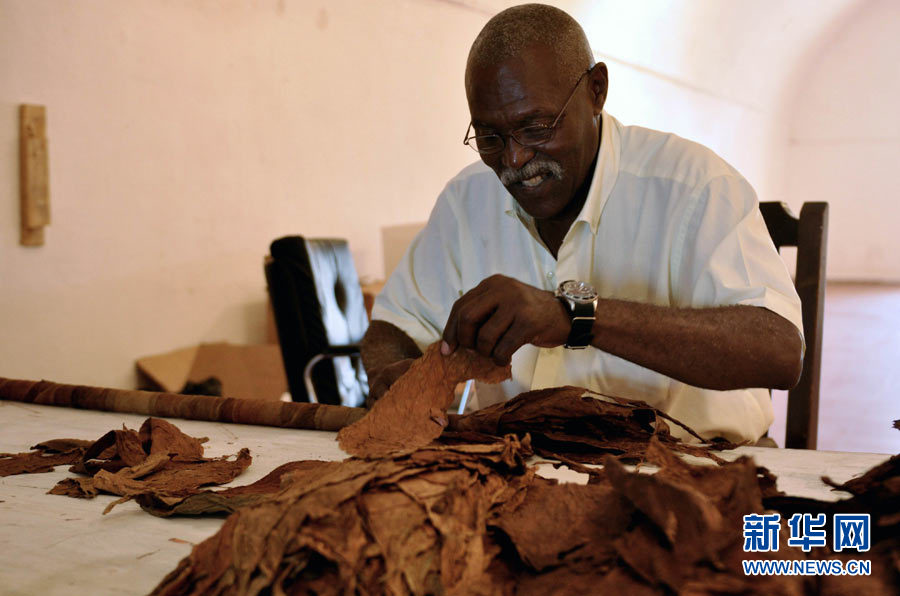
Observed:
{"x":463,"y":512}
{"x":475,"y":519}
{"x":158,"y":458}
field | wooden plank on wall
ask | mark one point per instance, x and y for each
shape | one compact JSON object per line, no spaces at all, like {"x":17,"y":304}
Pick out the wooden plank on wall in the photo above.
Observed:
{"x":34,"y":174}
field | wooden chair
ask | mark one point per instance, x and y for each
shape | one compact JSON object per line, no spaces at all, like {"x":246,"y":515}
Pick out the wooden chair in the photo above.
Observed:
{"x":809,"y":233}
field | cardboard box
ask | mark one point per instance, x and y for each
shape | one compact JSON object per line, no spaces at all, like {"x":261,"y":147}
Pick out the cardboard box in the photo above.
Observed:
{"x":249,"y":372}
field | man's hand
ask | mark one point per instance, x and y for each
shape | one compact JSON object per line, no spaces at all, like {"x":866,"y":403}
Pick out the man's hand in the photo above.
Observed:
{"x":500,"y":315}
{"x":382,"y":380}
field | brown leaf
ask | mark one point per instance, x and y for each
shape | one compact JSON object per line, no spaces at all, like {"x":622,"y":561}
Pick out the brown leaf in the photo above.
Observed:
{"x":413,"y":412}
{"x":113,"y":451}
{"x":473,"y":519}
{"x":881,"y":479}
{"x":36,"y":462}
{"x":223,"y":501}
{"x":62,"y":445}
{"x":159,"y":436}
{"x":411,"y":523}
{"x":558,"y":524}
{"x":163,"y":476}
{"x":158,"y":462}
{"x":574,"y":423}
{"x":578,"y":580}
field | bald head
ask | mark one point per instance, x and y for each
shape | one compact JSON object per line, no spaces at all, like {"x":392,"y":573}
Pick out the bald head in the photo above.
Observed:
{"x":516,"y":29}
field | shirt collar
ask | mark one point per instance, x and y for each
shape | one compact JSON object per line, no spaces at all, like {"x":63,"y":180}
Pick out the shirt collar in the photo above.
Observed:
{"x":605,"y":173}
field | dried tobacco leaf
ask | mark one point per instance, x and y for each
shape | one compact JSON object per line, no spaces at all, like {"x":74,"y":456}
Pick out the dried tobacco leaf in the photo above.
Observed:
{"x":227,"y":500}
{"x":174,"y":476}
{"x":472,"y":519}
{"x":113,"y":451}
{"x":881,"y":482}
{"x":90,"y":487}
{"x":567,"y":523}
{"x":159,"y":436}
{"x":878,"y":493}
{"x":158,"y":460}
{"x":413,"y":412}
{"x":578,"y":580}
{"x":687,"y":536}
{"x":62,"y":445}
{"x":159,"y":474}
{"x":43,"y":457}
{"x":572,"y":423}
{"x":734,"y":489}
{"x":636,"y":533}
{"x":411,"y":523}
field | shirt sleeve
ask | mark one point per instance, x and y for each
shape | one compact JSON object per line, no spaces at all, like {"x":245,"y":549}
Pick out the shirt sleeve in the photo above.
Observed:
{"x":419,"y":294}
{"x":728,"y":257}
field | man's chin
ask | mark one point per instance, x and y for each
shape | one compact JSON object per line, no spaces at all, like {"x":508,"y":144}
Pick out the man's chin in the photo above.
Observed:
{"x":539,"y":212}
{"x":538,"y":201}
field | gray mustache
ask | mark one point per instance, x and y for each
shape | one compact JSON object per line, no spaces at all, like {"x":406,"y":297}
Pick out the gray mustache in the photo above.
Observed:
{"x":530,"y":170}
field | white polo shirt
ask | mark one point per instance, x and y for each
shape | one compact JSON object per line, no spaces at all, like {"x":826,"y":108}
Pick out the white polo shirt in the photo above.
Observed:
{"x":666,"y":222}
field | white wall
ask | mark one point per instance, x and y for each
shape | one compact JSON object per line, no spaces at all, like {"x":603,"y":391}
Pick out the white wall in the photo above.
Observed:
{"x":186,"y":135}
{"x":845,"y":142}
{"x":710,"y":71}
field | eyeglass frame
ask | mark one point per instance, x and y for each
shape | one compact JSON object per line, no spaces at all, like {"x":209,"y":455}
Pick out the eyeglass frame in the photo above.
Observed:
{"x":512,"y":133}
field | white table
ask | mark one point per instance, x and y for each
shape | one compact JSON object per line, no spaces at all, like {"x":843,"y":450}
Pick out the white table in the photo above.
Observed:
{"x":58,"y":545}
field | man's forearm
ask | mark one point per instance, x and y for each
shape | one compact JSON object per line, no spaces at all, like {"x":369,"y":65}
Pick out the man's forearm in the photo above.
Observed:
{"x":385,"y":344}
{"x":728,"y":347}
{"x":720,"y":348}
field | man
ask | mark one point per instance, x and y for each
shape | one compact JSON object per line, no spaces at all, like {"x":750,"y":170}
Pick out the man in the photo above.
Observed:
{"x":678,"y":296}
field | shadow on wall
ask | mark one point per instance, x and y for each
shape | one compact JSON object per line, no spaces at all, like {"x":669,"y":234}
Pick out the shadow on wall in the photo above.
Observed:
{"x":394,"y":242}
{"x":252,"y":317}
{"x":844,"y":141}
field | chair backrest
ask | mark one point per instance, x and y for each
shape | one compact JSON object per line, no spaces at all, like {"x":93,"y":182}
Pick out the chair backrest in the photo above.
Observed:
{"x":809,"y":233}
{"x":317,"y":303}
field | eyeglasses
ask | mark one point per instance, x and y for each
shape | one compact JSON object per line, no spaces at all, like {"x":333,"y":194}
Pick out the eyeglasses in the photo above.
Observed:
{"x":527,"y":136}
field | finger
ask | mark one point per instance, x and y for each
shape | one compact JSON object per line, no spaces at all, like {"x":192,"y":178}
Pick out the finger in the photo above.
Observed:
{"x":449,"y":336}
{"x":451,"y":328}
{"x":514,"y":338}
{"x":470,"y":320}
{"x":492,"y":330}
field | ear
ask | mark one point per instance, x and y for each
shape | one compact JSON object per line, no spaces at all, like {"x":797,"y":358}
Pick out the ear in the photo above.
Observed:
{"x":599,"y":84}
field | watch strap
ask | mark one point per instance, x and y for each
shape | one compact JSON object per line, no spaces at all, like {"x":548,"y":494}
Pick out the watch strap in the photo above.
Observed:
{"x":582,"y":332}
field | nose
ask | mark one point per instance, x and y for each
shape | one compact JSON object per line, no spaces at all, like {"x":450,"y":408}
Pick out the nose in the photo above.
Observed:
{"x":514,"y":154}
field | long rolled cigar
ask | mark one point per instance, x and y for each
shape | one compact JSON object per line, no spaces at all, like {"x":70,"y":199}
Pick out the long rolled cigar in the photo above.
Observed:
{"x":192,"y":407}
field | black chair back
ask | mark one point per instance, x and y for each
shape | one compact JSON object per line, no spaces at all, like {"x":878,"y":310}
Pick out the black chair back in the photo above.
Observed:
{"x":319,"y":310}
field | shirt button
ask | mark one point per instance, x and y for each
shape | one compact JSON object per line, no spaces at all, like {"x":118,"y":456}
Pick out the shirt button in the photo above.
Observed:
{"x":550,"y":275}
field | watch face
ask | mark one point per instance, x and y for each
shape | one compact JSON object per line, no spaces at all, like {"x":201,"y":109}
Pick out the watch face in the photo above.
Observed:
{"x":579,"y":291}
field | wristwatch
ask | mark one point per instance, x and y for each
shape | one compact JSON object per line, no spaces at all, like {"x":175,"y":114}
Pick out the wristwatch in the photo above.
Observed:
{"x":580,"y":300}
